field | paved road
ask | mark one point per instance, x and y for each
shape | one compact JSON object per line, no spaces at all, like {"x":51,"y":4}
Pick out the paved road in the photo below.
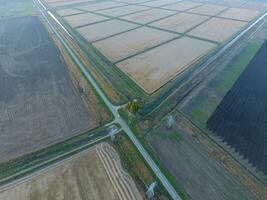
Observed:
{"x":114,"y":109}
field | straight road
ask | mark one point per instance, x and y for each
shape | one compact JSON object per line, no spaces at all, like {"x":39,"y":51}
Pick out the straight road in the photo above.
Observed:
{"x":114,"y":109}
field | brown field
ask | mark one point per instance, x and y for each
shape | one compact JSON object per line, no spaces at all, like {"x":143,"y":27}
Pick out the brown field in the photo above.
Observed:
{"x":93,"y":175}
{"x":115,"y":12}
{"x":131,"y":42}
{"x":68,"y":11}
{"x":159,"y":3}
{"x":218,"y":29}
{"x":180,"y":23}
{"x":148,"y":15}
{"x":84,"y":19}
{"x":155,"y":67}
{"x":208,"y":9}
{"x":104,"y":29}
{"x":183,"y":5}
{"x":100,"y":5}
{"x":240,"y":14}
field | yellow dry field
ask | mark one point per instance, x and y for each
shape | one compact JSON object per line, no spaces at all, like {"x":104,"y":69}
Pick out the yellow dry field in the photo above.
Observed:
{"x":95,"y":175}
{"x":208,"y":9}
{"x":104,"y":29}
{"x":68,"y":11}
{"x":180,"y":23}
{"x":153,"y":68}
{"x":148,"y":15}
{"x":240,"y":14}
{"x":218,"y":29}
{"x":183,"y":5}
{"x":115,"y":12}
{"x":84,"y":19}
{"x":131,"y":42}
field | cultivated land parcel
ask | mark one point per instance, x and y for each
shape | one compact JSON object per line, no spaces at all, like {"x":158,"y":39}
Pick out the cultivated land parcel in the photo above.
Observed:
{"x":39,"y":105}
{"x":125,"y":34}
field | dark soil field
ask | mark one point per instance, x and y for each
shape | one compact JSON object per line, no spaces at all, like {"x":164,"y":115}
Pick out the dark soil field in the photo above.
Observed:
{"x":241,"y":117}
{"x":39,"y":104}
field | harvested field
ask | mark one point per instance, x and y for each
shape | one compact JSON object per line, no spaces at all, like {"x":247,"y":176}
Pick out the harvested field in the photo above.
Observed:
{"x":241,"y":118}
{"x":68,"y":11}
{"x":155,"y":67}
{"x":39,"y":105}
{"x":104,"y":29}
{"x":148,"y":15}
{"x":208,"y":9}
{"x":84,"y":19}
{"x":115,"y":12}
{"x":93,"y":175}
{"x":218,"y":29}
{"x":131,"y":42}
{"x":186,"y":157}
{"x":180,"y":22}
{"x":101,"y":5}
{"x":240,"y":14}
{"x":159,"y":3}
{"x":183,"y":5}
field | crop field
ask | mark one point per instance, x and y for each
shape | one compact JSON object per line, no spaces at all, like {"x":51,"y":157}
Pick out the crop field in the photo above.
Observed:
{"x":148,"y":15}
{"x":100,"y":6}
{"x":180,"y":22}
{"x":240,"y":14}
{"x":93,"y":175}
{"x":39,"y":104}
{"x":66,"y":3}
{"x":182,"y":5}
{"x":105,"y":29}
{"x":130,"y":31}
{"x":185,"y":156}
{"x":124,"y":10}
{"x":217,"y":29}
{"x":157,"y":66}
{"x":68,"y":11}
{"x":241,"y":117}
{"x":208,"y":9}
{"x":120,"y":47}
{"x":84,"y":19}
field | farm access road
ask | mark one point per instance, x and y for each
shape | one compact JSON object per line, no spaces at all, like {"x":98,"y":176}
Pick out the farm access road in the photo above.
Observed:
{"x":114,"y":109}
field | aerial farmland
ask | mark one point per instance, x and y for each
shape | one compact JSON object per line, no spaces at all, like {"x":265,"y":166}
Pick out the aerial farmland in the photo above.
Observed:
{"x":133,"y":99}
{"x":167,"y":22}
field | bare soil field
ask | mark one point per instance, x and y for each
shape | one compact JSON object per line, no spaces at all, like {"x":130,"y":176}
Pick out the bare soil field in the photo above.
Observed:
{"x":187,"y":159}
{"x":155,"y":67}
{"x":101,"y":5}
{"x":240,"y":14}
{"x":68,"y":11}
{"x":115,"y":12}
{"x":218,"y":29}
{"x":131,"y":42}
{"x":159,"y":3}
{"x":93,"y":175}
{"x":84,"y":19}
{"x":180,"y":22}
{"x":39,"y":104}
{"x":104,"y":29}
{"x":183,"y":5}
{"x":208,"y":9}
{"x":147,"y":16}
